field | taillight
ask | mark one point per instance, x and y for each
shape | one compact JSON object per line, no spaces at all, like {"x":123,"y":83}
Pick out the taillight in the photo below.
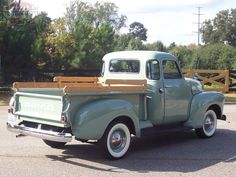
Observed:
{"x":10,"y":110}
{"x":63,"y":118}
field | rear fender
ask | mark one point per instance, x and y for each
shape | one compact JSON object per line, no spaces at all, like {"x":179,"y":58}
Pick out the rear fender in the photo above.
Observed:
{"x":200,"y":104}
{"x":92,"y":119}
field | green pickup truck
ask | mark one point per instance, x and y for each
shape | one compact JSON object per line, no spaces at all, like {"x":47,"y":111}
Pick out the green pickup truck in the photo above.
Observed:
{"x":137,"y":90}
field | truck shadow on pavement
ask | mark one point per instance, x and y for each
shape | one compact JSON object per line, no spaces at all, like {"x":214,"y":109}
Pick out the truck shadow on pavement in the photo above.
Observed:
{"x":178,"y":151}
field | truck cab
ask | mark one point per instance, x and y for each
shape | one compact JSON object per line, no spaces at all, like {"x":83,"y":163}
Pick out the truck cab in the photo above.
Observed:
{"x":170,"y":94}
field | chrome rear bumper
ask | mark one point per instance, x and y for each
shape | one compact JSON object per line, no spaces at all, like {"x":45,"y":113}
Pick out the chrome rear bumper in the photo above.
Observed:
{"x":39,"y":133}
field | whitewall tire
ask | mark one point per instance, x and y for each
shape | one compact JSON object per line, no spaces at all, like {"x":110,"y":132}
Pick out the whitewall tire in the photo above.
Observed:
{"x":209,"y":126}
{"x":116,"y":140}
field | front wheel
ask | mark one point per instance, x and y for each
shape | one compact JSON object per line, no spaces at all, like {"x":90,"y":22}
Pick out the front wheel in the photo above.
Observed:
{"x":116,"y":140}
{"x":209,"y":125}
{"x":54,"y":144}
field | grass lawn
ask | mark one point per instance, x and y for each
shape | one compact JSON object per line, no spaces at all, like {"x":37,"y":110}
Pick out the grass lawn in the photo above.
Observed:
{"x":231,"y":97}
{"x":4,"y":99}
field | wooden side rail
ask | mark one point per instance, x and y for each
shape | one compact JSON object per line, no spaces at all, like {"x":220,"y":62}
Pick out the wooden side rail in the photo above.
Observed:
{"x":78,"y":81}
{"x":60,"y":82}
{"x":87,"y":84}
{"x":110,"y":82}
{"x":75,"y":79}
{"x":104,"y":89}
{"x":112,"y":85}
{"x":18,"y":85}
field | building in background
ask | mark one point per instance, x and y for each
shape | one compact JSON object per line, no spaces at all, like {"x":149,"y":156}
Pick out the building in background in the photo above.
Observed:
{"x":30,"y":7}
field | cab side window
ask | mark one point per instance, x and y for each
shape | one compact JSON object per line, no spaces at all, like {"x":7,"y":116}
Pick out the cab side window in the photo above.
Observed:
{"x":153,"y":70}
{"x":171,"y":70}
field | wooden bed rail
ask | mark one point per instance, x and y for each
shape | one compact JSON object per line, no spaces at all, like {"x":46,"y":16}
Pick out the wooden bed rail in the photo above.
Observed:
{"x":62,"y":79}
{"x":110,"y":82}
{"x":112,"y":85}
{"x":87,"y":84}
{"x":59,"y":82}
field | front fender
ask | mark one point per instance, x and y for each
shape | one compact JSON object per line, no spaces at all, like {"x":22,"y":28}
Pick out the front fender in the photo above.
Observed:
{"x":200,"y":104}
{"x":92,"y":119}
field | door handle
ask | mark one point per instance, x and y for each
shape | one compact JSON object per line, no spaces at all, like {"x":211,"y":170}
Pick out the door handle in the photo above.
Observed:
{"x":161,"y":90}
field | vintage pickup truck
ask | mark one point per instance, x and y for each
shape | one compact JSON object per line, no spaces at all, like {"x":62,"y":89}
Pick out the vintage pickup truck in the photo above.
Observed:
{"x":137,"y":90}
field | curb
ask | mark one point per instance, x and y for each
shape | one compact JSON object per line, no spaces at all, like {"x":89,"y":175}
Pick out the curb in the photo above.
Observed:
{"x":230,"y":103}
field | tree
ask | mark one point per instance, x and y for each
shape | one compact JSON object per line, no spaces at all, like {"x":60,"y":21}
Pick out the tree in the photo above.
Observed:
{"x":221,"y":29}
{"x":41,"y":24}
{"x":184,"y":55}
{"x":17,"y":40}
{"x":92,"y":44}
{"x":138,"y":30}
{"x":20,"y":42}
{"x":59,"y":46}
{"x":121,"y":42}
{"x":215,"y":56}
{"x":97,"y":14}
{"x":135,"y":44}
{"x":156,"y":46}
{"x":108,"y":13}
{"x":94,"y":28}
{"x":172,"y":46}
{"x":4,"y":14}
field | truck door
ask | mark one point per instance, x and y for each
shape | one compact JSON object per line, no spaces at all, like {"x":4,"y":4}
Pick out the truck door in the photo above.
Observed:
{"x":155,"y":98}
{"x":177,"y":94}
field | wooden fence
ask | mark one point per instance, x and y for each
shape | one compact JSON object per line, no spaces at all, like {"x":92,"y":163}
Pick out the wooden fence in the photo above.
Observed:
{"x":232,"y":80}
{"x":217,"y":80}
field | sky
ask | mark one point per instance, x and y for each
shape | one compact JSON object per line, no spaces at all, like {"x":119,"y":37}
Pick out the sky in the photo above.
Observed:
{"x":166,"y":20}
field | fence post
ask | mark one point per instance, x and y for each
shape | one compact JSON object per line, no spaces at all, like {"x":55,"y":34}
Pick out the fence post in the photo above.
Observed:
{"x":226,"y":81}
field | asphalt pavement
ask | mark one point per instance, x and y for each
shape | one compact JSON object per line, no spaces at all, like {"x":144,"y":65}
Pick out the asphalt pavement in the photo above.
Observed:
{"x":172,"y":154}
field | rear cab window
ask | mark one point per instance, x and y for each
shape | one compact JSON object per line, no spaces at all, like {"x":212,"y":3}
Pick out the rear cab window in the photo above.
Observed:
{"x":124,"y":66}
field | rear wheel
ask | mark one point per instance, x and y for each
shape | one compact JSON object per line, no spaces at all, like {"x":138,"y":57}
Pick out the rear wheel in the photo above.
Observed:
{"x":55,"y":144}
{"x":209,"y":125}
{"x":116,"y":140}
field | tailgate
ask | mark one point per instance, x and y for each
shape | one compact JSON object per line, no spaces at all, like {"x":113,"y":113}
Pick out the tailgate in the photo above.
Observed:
{"x":39,"y":108}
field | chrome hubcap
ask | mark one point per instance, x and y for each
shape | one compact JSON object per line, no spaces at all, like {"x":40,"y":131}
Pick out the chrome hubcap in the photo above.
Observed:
{"x":209,"y":124}
{"x":118,"y":141}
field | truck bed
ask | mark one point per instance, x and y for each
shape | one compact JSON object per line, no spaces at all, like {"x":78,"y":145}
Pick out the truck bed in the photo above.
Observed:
{"x":45,"y":102}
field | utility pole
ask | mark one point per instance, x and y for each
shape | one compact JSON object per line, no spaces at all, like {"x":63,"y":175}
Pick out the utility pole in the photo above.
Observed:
{"x":198,"y":24}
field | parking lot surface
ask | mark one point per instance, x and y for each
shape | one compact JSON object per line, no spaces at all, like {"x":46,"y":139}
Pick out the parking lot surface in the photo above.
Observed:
{"x":172,"y":154}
